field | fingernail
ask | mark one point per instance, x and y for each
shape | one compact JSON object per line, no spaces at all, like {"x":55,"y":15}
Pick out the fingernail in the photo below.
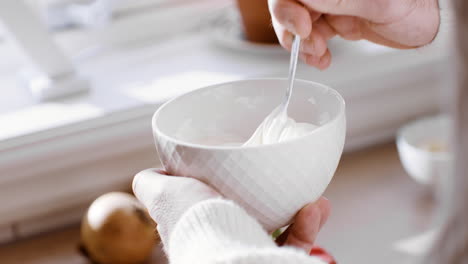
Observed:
{"x":307,"y":47}
{"x":323,"y":63}
{"x":289,"y":25}
{"x":290,"y":40}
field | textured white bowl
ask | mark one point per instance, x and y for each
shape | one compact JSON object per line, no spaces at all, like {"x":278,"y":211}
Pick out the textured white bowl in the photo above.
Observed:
{"x":272,"y":182}
{"x":422,"y":165}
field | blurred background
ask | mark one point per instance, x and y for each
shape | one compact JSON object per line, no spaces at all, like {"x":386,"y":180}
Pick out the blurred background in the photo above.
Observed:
{"x":80,"y":80}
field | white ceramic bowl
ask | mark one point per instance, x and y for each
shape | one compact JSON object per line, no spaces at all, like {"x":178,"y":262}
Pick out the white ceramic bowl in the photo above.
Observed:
{"x":187,"y":129}
{"x":414,"y":141}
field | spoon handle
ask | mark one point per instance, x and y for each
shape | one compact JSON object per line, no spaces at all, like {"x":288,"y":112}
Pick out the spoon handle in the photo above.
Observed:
{"x":292,"y":69}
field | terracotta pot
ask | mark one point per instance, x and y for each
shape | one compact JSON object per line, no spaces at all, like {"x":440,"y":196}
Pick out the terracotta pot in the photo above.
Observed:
{"x":256,"y":21}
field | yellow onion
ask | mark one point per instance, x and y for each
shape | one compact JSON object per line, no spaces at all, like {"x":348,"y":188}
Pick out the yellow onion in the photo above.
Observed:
{"x":117,"y":229}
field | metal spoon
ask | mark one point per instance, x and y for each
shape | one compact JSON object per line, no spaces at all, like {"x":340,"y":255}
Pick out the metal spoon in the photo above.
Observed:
{"x":292,"y":71}
{"x":271,"y":128}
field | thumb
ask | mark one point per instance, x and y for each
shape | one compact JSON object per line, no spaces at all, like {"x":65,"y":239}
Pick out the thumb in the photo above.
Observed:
{"x":168,"y":197}
{"x":160,"y":192}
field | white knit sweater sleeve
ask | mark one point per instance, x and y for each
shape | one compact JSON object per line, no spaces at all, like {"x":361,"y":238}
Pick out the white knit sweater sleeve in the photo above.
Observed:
{"x":221,"y":232}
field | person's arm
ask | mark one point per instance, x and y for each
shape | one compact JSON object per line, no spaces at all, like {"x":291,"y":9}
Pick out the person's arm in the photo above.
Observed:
{"x":219,"y":231}
{"x":197,"y":226}
{"x":451,"y":245}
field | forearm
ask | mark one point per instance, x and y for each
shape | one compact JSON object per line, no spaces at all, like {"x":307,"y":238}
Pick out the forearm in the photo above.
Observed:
{"x":452,"y":243}
{"x":218,"y":231}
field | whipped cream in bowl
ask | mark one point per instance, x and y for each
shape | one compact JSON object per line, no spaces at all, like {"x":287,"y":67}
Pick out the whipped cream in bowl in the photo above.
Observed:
{"x":277,"y":128}
{"x":225,"y":136}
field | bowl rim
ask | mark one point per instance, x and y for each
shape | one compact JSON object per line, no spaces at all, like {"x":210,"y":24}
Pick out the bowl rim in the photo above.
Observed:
{"x":401,"y":139}
{"x":156,"y":130}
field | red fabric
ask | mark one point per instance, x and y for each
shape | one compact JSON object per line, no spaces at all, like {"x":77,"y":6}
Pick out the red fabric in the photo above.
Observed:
{"x":323,"y":254}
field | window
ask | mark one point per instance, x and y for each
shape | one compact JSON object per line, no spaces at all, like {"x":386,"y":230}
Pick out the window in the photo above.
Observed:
{"x":105,"y":37}
{"x":84,"y":29}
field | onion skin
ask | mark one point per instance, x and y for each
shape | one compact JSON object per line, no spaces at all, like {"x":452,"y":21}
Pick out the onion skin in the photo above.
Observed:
{"x":118,"y":230}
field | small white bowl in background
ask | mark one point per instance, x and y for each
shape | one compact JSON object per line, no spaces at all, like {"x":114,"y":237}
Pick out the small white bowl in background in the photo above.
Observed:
{"x":424,"y":149}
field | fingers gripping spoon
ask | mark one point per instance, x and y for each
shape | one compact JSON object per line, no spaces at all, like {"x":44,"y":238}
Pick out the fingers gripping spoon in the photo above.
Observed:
{"x":272,"y":127}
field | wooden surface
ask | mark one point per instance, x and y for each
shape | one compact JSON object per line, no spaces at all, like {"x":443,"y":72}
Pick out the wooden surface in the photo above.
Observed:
{"x":374,"y":204}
